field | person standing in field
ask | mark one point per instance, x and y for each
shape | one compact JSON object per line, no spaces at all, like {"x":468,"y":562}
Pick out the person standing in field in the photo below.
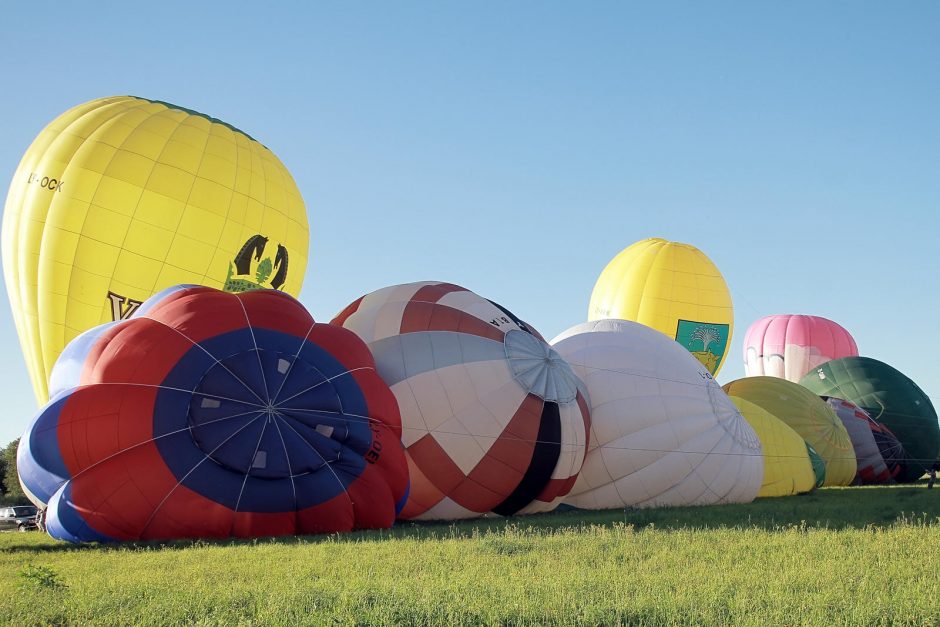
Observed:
{"x":932,"y":478}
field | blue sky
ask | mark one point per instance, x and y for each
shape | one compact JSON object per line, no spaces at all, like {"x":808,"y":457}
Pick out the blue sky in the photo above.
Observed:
{"x":515,"y":148}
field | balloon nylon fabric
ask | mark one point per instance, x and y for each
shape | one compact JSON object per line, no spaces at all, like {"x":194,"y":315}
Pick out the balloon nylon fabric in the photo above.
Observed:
{"x":789,"y":346}
{"x":673,"y":288}
{"x":871,"y":465}
{"x":210,"y":414}
{"x":787,"y":466}
{"x":493,"y":419}
{"x":663,"y":433}
{"x":890,"y":398}
{"x":806,"y":414}
{"x":121,"y":197}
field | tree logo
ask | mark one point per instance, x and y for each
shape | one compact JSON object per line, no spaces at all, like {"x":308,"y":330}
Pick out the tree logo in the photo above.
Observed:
{"x":250,"y":270}
{"x":706,"y":341}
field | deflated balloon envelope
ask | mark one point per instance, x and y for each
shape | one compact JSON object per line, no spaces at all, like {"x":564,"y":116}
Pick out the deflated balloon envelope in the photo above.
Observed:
{"x":663,"y":432}
{"x":121,"y":197}
{"x":890,"y":398}
{"x":788,"y":468}
{"x":871,"y":465}
{"x":789,"y":346}
{"x":809,"y":416}
{"x":210,"y":414}
{"x":493,"y":419}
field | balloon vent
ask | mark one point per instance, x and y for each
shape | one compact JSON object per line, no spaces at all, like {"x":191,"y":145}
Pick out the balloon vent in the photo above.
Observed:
{"x":539,"y":369}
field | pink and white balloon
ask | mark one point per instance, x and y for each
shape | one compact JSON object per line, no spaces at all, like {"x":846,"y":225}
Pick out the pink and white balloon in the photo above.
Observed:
{"x":790,"y":345}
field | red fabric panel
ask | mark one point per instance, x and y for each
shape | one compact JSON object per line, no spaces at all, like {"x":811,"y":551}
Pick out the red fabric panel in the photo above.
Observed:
{"x":201,"y":315}
{"x":141,"y":351}
{"x":428,"y":455}
{"x":434,"y":293}
{"x":423,"y":495}
{"x":419,"y":317}
{"x":373,"y":501}
{"x":330,"y":517}
{"x":268,"y":309}
{"x":344,"y":315}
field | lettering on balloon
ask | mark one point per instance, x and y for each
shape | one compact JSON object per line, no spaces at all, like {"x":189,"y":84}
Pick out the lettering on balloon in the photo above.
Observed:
{"x":122,"y":307}
{"x":52,"y":184}
{"x":372,"y":455}
{"x":500,"y":321}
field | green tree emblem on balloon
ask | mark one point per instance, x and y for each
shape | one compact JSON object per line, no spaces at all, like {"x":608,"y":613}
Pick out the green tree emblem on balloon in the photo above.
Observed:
{"x":706,"y":335}
{"x":704,"y":340}
{"x":265,"y":268}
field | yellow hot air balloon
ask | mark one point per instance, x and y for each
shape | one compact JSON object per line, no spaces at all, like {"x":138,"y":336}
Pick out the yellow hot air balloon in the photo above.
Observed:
{"x":121,"y":197}
{"x":809,"y":416}
{"x":787,"y":466}
{"x":673,"y":288}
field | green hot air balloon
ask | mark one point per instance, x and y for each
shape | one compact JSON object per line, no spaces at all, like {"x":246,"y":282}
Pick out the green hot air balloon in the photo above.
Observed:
{"x":891,"y":398}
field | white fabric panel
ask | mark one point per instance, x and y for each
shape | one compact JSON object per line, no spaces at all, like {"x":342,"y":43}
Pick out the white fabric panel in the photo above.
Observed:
{"x":447,"y":510}
{"x":663,"y":432}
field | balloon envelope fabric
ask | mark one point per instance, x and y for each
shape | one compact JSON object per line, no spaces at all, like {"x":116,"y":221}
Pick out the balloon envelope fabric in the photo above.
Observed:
{"x":891,"y":398}
{"x":674,"y":288}
{"x":121,"y":197}
{"x":210,"y":414}
{"x":789,"y":346}
{"x":788,"y":468}
{"x":857,"y":422}
{"x":809,"y":416}
{"x":493,"y":419}
{"x":663,"y":433}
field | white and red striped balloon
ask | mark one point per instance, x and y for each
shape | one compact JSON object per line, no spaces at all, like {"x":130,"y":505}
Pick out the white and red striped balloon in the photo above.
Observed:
{"x":493,"y":419}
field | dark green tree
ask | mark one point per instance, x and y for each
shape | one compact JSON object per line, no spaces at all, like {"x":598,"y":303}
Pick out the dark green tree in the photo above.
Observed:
{"x":12,"y":492}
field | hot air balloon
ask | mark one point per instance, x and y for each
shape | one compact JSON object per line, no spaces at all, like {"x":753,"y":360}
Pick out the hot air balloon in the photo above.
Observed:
{"x":121,"y":197}
{"x":210,"y":414}
{"x":662,"y":432}
{"x":891,"y":399}
{"x":819,"y":465}
{"x":493,"y":419}
{"x":789,"y":346}
{"x":673,"y":288}
{"x":809,"y":416}
{"x":857,"y":422}
{"x":891,"y":449}
{"x":788,"y":468}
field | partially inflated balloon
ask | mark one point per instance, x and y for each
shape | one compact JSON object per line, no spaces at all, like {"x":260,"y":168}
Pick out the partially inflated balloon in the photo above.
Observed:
{"x":121,"y":197}
{"x":809,"y":416}
{"x":673,"y":288}
{"x":789,"y":346}
{"x":871,"y":466}
{"x":493,"y":419}
{"x":209,"y":414}
{"x":663,"y":433}
{"x":787,"y":465}
{"x":890,"y":398}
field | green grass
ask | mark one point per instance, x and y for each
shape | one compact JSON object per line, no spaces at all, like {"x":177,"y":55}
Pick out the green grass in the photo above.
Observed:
{"x":839,"y":556}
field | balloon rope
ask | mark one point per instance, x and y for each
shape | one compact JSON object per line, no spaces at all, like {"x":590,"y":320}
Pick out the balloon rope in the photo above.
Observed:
{"x":251,"y":329}
{"x":191,"y":471}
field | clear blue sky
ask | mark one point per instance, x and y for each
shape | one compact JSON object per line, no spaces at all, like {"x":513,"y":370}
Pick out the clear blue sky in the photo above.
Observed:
{"x":515,"y":148}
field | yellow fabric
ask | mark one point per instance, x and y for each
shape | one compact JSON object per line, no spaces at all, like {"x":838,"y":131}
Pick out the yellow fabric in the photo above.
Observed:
{"x":121,"y":197}
{"x":658,"y":283}
{"x":787,"y":467}
{"x":809,"y":416}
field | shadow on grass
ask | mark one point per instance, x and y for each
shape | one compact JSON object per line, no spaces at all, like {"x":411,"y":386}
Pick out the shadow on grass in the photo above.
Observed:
{"x":830,"y":508}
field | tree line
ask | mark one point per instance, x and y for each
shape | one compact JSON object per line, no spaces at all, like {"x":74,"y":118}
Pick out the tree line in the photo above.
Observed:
{"x":10,"y":491}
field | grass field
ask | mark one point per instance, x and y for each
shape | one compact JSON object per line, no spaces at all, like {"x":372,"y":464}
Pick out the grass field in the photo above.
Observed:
{"x":839,"y":556}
